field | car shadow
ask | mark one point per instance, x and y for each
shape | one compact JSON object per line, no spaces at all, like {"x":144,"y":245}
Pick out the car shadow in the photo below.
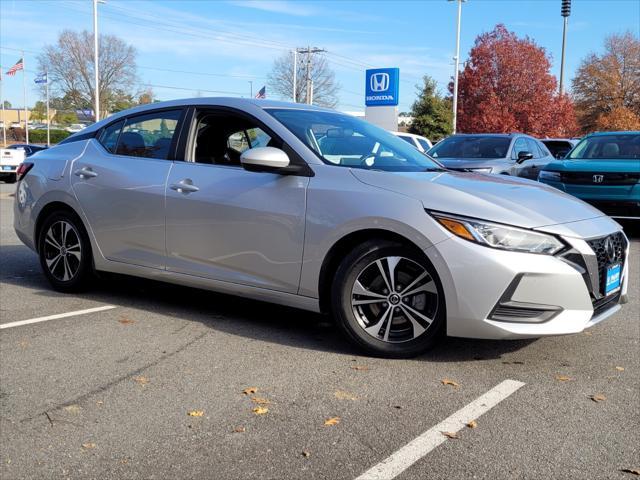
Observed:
{"x":230,"y":314}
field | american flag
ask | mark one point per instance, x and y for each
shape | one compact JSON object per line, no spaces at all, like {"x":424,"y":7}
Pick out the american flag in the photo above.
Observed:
{"x":18,"y":66}
{"x":262,"y":93}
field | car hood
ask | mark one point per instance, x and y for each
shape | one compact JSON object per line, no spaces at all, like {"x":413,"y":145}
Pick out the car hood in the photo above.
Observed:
{"x":459,"y":163}
{"x":598,"y":165}
{"x":498,"y":198}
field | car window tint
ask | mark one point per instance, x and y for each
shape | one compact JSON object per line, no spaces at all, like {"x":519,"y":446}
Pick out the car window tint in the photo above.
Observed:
{"x":471,"y":147}
{"x":150,"y":135}
{"x":406,"y":139}
{"x":109,"y":136}
{"x":533,"y":148}
{"x":519,"y":146}
{"x":222,"y":138}
{"x":424,"y":144}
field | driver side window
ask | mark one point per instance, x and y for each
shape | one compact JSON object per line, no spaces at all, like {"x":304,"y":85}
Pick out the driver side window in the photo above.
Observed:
{"x":222,"y":137}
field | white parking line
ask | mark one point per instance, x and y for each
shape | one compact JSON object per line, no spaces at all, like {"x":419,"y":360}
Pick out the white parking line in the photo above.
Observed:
{"x":55,"y":317}
{"x":403,"y":458}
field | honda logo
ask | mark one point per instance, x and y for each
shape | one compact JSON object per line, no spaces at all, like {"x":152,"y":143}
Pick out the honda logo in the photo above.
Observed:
{"x":379,"y":82}
{"x":598,"y":178}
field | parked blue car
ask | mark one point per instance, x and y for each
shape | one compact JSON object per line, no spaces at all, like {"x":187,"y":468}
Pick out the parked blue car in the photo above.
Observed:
{"x":603,"y":170}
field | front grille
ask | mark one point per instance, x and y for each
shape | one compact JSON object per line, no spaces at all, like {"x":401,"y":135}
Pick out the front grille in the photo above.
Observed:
{"x":595,"y":178}
{"x":598,"y":245}
{"x":603,"y":304}
{"x":616,"y":208}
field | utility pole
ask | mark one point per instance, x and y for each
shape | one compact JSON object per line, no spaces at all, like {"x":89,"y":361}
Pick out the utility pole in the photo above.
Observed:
{"x":295,"y":76}
{"x":309,"y":51}
{"x":565,"y":11}
{"x":96,"y":84}
{"x":251,"y":86}
{"x":457,"y":62}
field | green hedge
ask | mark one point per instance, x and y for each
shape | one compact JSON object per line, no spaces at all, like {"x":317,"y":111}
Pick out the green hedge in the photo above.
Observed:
{"x":40,"y":136}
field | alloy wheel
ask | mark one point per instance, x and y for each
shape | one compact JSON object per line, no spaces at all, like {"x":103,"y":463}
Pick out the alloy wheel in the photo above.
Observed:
{"x":394,"y":299}
{"x":62,"y":250}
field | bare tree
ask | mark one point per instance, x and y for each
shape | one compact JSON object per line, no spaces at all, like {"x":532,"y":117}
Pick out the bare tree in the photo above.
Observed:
{"x":325,"y":87}
{"x":69,"y":65}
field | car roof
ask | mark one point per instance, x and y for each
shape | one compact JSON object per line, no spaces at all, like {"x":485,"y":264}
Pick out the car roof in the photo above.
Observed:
{"x":232,"y":102}
{"x":497,"y":135}
{"x":407,"y":134}
{"x":601,"y":134}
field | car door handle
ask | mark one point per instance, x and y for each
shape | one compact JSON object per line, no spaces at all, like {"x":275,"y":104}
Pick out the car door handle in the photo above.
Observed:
{"x":184,"y":186}
{"x":85,"y":172}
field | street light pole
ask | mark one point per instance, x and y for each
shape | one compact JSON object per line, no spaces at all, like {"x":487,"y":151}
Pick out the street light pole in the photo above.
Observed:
{"x":457,"y":62}
{"x":251,"y":86}
{"x":565,"y":11}
{"x":96,"y":80}
{"x":295,"y":75}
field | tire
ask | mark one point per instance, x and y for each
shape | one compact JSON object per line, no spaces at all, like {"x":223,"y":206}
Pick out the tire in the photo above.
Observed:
{"x":362,"y":310}
{"x":65,"y":259}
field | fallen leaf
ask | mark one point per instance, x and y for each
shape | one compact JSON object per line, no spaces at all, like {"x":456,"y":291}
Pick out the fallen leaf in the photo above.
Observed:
{"x":239,"y":430}
{"x":472,"y":424}
{"x":260,"y":410}
{"x":250,"y":390}
{"x":141,"y":380}
{"x":599,"y":397}
{"x":563,"y":378}
{"x":195,"y":413}
{"x":73,"y":408}
{"x":620,"y":369}
{"x":126,"y":321}
{"x":342,"y":395}
{"x":23,"y":344}
{"x":446,"y":381}
{"x":452,"y":435}
{"x":329,"y":422}
{"x":306,"y":454}
{"x":359,"y":367}
{"x":398,"y":407}
{"x":99,"y":402}
{"x":260,"y":400}
{"x":588,"y":333}
{"x":635,"y":471}
{"x":88,"y":445}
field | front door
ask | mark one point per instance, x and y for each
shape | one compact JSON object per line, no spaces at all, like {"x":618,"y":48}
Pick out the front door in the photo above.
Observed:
{"x":119,"y":182}
{"x":229,"y":224}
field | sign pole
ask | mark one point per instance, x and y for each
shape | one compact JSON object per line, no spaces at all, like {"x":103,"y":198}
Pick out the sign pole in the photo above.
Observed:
{"x":4,"y":117}
{"x":46,"y":76}
{"x":26,"y":112}
{"x":96,"y":78}
{"x":295,"y":75}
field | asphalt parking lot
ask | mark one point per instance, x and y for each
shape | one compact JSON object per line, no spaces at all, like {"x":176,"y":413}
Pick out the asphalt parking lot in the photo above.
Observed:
{"x":153,"y":388}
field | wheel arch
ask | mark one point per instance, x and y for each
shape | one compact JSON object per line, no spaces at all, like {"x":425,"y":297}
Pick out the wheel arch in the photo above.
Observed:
{"x":341,"y":247}
{"x":46,"y":211}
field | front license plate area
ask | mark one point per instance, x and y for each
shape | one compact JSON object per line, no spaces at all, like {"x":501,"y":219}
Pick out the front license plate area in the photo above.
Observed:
{"x":7,"y":167}
{"x":612,"y":281}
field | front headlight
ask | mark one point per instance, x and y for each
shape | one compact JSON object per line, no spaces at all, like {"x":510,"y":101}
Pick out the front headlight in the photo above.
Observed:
{"x":499,"y":236}
{"x":550,"y":176}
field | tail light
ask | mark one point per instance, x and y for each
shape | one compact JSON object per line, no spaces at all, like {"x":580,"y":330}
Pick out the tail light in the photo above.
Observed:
{"x":23,"y":169}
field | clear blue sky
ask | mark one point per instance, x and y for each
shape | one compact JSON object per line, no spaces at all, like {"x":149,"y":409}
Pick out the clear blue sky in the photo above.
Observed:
{"x":228,"y":43}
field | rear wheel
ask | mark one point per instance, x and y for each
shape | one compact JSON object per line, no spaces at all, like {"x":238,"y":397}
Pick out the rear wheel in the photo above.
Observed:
{"x":388,"y":299}
{"x":65,"y":252}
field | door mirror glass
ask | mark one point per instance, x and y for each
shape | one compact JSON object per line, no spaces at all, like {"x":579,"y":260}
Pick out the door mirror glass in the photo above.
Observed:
{"x":523,"y":156}
{"x":264,"y":159}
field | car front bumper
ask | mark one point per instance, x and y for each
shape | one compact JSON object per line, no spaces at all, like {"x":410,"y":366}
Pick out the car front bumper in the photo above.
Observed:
{"x":497,"y":294}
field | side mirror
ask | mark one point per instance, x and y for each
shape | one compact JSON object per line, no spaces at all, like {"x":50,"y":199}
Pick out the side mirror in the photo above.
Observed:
{"x":264,"y":159}
{"x":523,"y":156}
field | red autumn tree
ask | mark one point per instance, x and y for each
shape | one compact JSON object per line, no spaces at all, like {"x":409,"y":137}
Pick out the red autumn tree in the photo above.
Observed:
{"x":506,"y":86}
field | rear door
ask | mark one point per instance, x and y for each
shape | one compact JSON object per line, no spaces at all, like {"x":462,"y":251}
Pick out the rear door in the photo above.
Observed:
{"x":229,"y":224}
{"x":120,"y":184}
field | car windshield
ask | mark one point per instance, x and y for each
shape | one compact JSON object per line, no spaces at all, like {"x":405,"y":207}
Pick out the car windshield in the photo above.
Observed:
{"x":346,"y":141}
{"x":619,"y":147}
{"x":471,"y":147}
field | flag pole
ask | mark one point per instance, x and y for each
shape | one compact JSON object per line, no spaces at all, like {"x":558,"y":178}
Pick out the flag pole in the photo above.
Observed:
{"x":46,"y":76}
{"x":26,"y":112}
{"x":4,"y":117}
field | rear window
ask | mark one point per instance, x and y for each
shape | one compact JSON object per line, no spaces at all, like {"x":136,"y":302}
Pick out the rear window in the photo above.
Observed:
{"x":149,"y":135}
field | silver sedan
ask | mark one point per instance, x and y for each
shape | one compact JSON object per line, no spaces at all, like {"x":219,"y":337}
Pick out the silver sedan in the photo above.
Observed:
{"x":318,"y":210}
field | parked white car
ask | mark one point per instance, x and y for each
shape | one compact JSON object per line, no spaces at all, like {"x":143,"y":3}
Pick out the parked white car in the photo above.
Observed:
{"x":10,"y":159}
{"x":421,"y":143}
{"x":75,"y":127}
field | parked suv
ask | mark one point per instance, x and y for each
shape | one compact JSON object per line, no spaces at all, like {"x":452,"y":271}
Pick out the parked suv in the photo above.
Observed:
{"x":310,"y":208}
{"x":508,"y":154}
{"x":603,"y":170}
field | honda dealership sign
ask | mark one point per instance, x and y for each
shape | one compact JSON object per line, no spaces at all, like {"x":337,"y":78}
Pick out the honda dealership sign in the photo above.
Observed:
{"x":382,"y":87}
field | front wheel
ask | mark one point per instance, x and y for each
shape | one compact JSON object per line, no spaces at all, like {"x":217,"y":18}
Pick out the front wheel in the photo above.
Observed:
{"x":388,"y":300}
{"x":65,"y":252}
